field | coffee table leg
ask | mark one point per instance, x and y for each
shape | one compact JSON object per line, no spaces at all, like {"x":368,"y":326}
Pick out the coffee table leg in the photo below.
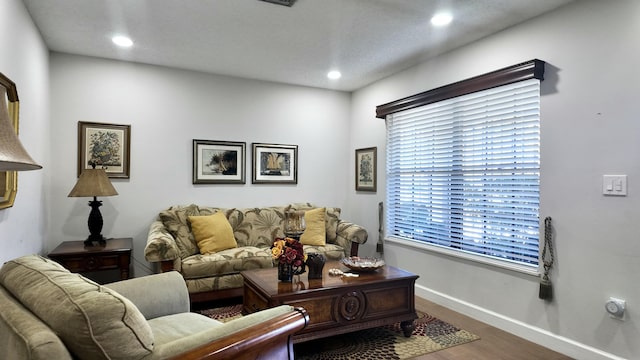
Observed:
{"x":407,"y":327}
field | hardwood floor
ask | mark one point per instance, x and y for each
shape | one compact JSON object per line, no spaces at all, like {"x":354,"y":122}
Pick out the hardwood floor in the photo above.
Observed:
{"x":494,"y":344}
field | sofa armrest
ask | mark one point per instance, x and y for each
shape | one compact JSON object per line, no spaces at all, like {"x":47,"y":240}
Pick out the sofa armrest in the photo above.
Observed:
{"x":266,"y":334}
{"x":350,"y":235}
{"x":155,"y":295}
{"x":161,"y":246}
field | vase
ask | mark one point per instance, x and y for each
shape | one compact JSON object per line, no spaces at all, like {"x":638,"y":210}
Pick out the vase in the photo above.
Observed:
{"x":285,"y":272}
{"x":294,"y":224}
{"x":315,"y":263}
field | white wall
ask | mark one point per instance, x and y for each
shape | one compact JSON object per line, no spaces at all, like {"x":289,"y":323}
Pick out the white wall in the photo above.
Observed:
{"x":590,"y":127}
{"x":167,"y":109}
{"x":24,"y":60}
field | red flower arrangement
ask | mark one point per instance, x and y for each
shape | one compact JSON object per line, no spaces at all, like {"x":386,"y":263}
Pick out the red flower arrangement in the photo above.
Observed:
{"x":288,"y":251}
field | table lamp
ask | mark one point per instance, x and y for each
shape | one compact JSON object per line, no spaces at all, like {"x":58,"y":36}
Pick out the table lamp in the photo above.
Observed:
{"x":13,"y":156}
{"x":94,"y":182}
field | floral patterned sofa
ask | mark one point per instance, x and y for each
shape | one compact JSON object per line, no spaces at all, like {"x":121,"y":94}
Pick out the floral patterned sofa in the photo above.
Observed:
{"x":171,"y":243}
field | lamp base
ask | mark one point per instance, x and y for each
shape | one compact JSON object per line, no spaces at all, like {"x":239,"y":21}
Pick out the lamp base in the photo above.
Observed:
{"x":95,"y":224}
{"x":101,"y":240}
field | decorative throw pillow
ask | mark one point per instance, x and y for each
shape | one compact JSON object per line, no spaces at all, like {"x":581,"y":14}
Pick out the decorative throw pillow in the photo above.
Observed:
{"x":213,"y":233}
{"x":332,"y":218}
{"x":176,"y":221}
{"x":315,"y":232}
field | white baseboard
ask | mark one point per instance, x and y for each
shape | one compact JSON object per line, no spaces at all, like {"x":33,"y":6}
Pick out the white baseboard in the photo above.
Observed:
{"x":534,"y":334}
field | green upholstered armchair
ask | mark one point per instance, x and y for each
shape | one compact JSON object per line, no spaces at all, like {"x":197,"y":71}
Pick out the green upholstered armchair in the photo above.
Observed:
{"x":50,"y":313}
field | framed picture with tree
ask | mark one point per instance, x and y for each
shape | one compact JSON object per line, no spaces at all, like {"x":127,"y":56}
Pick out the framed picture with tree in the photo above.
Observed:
{"x":218,"y":162}
{"x":106,"y":145}
{"x":366,"y":169}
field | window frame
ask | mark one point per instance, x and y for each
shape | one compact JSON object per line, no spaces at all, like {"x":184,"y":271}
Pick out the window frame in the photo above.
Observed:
{"x":533,"y":69}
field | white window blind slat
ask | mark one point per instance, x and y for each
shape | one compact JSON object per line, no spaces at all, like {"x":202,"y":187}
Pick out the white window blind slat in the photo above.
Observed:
{"x":463,"y":173}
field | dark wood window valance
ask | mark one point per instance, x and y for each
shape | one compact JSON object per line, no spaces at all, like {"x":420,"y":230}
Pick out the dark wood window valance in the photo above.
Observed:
{"x":533,"y":69}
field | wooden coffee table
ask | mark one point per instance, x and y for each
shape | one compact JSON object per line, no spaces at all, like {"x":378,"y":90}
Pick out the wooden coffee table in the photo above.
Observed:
{"x":337,"y":304}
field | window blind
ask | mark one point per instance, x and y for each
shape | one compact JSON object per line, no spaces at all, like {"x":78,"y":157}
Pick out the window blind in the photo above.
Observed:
{"x":463,"y":173}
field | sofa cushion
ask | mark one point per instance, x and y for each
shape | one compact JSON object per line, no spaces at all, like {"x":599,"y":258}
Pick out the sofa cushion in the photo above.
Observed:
{"x":332,"y":218}
{"x":169,"y":329}
{"x":213,"y":283}
{"x":315,"y":232}
{"x":175,"y":219}
{"x":229,"y":261}
{"x":94,"y":322}
{"x":330,"y":251}
{"x":213,"y":233}
{"x":253,"y":226}
{"x":24,"y":335}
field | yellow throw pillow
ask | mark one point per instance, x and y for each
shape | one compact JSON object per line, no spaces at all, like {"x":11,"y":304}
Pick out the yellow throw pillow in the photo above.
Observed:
{"x":213,"y":233}
{"x":315,"y":232}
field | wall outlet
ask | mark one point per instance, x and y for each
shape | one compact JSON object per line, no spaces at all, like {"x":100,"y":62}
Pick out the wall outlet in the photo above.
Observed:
{"x":615,"y":308}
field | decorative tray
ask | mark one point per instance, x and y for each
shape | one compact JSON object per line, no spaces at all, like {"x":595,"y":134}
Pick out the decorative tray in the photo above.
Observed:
{"x":363,"y":264}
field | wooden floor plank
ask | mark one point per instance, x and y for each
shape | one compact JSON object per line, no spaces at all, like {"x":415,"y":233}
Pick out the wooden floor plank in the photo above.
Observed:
{"x":494,"y":344}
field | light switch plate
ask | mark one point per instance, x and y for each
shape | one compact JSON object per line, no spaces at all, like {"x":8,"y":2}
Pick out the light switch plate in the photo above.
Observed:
{"x":614,"y":185}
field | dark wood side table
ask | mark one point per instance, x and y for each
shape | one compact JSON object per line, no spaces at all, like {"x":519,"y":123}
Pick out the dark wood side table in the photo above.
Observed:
{"x":116,"y":254}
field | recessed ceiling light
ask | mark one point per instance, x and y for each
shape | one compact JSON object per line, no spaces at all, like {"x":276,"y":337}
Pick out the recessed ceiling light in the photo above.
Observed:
{"x":441,"y":19}
{"x":334,"y":75}
{"x":122,"y":41}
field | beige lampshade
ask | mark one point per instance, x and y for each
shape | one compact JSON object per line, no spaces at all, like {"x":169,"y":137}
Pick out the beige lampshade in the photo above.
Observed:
{"x":13,"y":156}
{"x":93,"y":182}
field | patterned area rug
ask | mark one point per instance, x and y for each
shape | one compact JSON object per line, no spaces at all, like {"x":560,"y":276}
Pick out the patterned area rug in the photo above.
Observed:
{"x":386,"y":342}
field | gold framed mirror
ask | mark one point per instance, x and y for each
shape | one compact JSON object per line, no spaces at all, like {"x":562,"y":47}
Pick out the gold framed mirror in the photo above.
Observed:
{"x":9,"y":179}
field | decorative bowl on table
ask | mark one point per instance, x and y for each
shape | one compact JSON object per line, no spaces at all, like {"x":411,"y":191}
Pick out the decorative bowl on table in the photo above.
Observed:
{"x":363,"y":264}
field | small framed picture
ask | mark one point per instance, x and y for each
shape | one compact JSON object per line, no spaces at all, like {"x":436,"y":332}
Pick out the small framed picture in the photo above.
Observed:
{"x":366,"y":172}
{"x":275,"y":164}
{"x":218,"y":162}
{"x":106,"y":145}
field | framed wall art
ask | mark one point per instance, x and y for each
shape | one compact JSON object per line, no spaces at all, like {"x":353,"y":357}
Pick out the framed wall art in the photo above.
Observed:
{"x":275,"y":164}
{"x":366,"y":172}
{"x":106,"y":145}
{"x":218,"y":162}
{"x":9,"y":179}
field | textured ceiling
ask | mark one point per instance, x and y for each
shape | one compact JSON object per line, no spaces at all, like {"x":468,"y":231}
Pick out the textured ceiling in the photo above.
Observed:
{"x":366,"y":40}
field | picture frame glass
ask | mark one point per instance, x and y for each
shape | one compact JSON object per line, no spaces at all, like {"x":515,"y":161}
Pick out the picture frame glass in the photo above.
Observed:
{"x":106,"y":145}
{"x":218,"y":162}
{"x":366,"y":172}
{"x":275,"y":163}
{"x":9,"y":179}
